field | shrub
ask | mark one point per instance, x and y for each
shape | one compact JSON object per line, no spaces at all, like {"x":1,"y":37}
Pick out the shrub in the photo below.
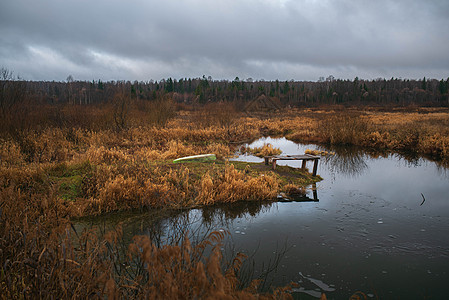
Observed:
{"x":346,"y":129}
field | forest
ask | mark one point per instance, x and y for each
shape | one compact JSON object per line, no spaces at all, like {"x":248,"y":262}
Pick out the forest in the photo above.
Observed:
{"x":394,"y":91}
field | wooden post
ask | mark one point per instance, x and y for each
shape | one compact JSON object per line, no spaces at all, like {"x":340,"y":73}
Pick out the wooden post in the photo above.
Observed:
{"x":315,"y":166}
{"x":266,"y":158}
{"x":303,"y":166}
{"x":315,"y":193}
{"x":274,"y":164}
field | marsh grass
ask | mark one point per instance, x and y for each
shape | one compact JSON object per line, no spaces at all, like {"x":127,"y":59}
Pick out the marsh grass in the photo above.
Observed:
{"x":342,"y":130}
{"x":424,"y":132}
{"x":74,"y":162}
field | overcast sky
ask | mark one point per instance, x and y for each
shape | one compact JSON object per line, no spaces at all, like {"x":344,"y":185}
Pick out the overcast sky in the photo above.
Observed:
{"x":261,"y":39}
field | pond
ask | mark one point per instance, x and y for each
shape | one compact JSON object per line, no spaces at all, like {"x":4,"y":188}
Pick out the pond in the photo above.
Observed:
{"x":375,"y":223}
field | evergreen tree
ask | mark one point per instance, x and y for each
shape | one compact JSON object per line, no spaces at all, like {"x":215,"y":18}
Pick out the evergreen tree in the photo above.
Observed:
{"x":443,"y":87}
{"x":286,"y":88}
{"x":133,"y":91}
{"x":424,"y":84}
{"x":199,"y":92}
{"x":204,"y":82}
{"x":365,"y":87}
{"x":272,"y":90}
{"x":236,"y":83}
{"x":169,"y":86}
{"x":100,"y":85}
{"x":180,"y":87}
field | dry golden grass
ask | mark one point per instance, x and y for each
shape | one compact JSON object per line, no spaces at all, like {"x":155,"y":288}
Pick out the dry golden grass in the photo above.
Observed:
{"x":265,"y":150}
{"x":172,"y":186}
{"x":424,"y":132}
{"x":85,"y":166}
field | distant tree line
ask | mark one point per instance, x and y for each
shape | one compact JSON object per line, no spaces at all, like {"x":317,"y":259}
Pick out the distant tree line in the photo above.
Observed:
{"x":394,"y":91}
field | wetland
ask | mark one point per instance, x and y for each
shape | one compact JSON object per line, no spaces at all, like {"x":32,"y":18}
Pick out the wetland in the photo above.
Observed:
{"x":89,"y":207}
{"x":366,"y":228}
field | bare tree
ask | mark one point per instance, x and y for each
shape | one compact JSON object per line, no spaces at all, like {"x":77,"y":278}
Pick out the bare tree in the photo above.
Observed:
{"x":13,"y":116}
{"x":121,"y":106}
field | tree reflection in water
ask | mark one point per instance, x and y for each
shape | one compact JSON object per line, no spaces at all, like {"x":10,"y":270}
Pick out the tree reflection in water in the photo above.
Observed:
{"x":349,"y":161}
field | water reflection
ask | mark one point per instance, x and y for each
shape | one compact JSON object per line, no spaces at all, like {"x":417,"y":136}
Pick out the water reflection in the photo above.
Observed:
{"x":301,"y":197}
{"x":352,"y":161}
{"x":170,"y":226}
{"x":223,"y":214}
{"x":347,"y":160}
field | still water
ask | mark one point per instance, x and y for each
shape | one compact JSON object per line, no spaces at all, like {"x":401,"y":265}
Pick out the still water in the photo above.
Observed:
{"x":380,"y":225}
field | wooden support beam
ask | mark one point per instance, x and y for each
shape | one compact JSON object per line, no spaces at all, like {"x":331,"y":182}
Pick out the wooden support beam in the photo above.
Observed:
{"x":315,"y":193}
{"x":303,"y":166}
{"x":315,"y":167}
{"x":267,"y":160}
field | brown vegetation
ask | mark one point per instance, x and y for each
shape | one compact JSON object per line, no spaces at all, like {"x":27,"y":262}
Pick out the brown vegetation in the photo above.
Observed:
{"x":265,"y":150}
{"x":424,"y":132}
{"x":71,"y":160}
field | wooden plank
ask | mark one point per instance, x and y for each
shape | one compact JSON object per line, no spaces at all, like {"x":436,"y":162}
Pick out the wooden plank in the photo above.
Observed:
{"x":296,"y":157}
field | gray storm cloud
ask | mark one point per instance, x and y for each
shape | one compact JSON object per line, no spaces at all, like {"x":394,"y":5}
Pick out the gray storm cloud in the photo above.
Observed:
{"x":301,"y":40}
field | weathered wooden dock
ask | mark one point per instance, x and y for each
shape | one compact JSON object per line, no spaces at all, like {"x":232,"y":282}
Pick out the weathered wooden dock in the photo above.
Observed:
{"x":303,"y":157}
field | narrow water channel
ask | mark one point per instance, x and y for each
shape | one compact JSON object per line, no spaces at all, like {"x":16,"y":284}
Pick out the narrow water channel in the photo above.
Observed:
{"x":380,"y":225}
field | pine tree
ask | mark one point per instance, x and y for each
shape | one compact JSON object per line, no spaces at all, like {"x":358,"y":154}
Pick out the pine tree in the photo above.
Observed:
{"x":443,"y":87}
{"x":424,"y":84}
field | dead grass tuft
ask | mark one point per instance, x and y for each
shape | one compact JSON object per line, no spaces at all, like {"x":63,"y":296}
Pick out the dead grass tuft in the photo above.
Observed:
{"x":265,"y":150}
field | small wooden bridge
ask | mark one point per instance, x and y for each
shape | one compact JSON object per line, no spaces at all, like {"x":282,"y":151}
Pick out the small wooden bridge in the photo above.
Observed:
{"x":304,"y":158}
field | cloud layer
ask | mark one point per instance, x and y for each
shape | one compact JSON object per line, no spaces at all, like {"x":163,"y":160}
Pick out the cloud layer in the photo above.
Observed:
{"x":269,"y":39}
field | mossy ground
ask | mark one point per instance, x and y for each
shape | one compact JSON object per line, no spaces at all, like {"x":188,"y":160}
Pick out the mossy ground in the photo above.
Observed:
{"x":68,"y":178}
